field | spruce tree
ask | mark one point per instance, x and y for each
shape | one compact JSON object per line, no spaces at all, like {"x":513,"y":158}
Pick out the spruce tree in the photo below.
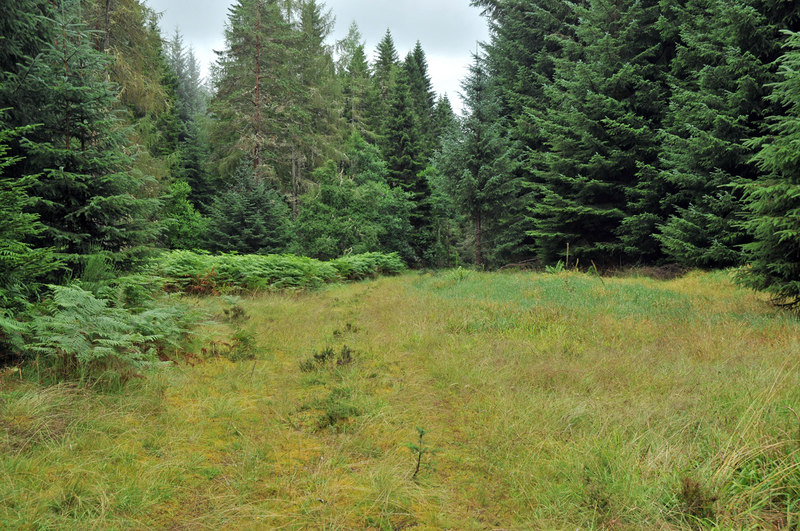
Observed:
{"x":475,"y":162}
{"x":444,"y":119}
{"x":384,"y":72}
{"x":716,"y":105}
{"x":600,"y":130}
{"x":252,"y":88}
{"x":88,"y":195}
{"x":773,"y":201}
{"x":528,"y":38}
{"x":22,"y":264}
{"x":353,"y":71}
{"x":22,"y":36}
{"x":249,"y":217}
{"x":403,"y":152}
{"x":314,"y":124}
{"x":423,"y":98}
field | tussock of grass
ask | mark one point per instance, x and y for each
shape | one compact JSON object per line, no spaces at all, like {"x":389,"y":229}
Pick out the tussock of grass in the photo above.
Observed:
{"x":555,"y":401}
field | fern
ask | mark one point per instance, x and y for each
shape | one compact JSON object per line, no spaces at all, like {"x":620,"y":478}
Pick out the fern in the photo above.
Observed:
{"x":199,"y":273}
{"x":86,"y":338}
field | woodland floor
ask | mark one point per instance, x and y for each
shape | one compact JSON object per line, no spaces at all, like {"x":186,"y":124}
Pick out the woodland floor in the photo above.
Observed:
{"x":552,"y":401}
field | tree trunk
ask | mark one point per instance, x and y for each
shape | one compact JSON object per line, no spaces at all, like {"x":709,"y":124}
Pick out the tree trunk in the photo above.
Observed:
{"x":295,"y":183}
{"x":257,"y":99}
{"x":478,"y":241}
{"x":107,"y":38}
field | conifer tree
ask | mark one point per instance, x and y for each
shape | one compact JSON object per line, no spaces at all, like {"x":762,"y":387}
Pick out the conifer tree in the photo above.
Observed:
{"x":403,"y":153}
{"x":249,"y":216}
{"x":22,"y":36}
{"x":528,"y":38}
{"x":716,"y":104}
{"x":127,"y":31}
{"x":22,"y":265}
{"x":600,"y":130}
{"x":773,"y":201}
{"x":444,"y":119}
{"x":88,"y":196}
{"x":386,"y":61}
{"x":353,"y":71}
{"x":314,"y":124}
{"x":189,"y":90}
{"x":423,"y":98}
{"x":475,"y":162}
{"x":383,"y":78}
{"x":252,"y":87}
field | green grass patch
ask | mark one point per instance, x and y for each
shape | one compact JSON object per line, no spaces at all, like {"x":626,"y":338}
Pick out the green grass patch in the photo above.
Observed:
{"x":552,"y":401}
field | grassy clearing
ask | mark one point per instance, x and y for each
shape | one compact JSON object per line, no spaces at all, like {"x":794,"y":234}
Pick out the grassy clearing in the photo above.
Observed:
{"x":552,"y":401}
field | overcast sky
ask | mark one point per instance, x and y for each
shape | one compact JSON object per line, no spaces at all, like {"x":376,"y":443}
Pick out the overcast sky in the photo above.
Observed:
{"x":447,"y":29}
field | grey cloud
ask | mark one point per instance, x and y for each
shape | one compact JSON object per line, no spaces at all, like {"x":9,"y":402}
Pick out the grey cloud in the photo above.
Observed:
{"x":447,"y":29}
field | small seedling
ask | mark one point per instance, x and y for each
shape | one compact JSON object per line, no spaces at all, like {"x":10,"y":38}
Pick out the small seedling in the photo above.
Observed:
{"x":419,"y":449}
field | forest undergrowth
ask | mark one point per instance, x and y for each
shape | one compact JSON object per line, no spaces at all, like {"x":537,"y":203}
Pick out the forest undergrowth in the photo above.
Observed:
{"x":455,"y":399}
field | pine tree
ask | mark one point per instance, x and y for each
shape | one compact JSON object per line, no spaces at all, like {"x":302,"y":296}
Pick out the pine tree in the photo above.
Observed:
{"x":773,"y":201}
{"x":528,"y":38}
{"x":314,"y":125}
{"x":423,"y":98}
{"x":403,"y":153}
{"x":184,"y":64}
{"x":252,"y":87}
{"x":22,"y":265}
{"x":353,"y":71}
{"x":384,"y":72}
{"x":444,"y":119}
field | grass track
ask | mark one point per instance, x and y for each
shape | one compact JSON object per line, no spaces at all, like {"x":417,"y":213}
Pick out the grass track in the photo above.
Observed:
{"x":555,"y":402}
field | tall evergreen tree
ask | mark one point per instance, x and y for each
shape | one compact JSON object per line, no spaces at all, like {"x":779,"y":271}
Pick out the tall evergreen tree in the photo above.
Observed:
{"x":423,"y":98}
{"x":252,"y":86}
{"x":716,"y":104}
{"x":773,"y":201}
{"x":404,"y":155}
{"x":600,"y":130}
{"x":477,"y":165}
{"x":88,"y":196}
{"x":353,"y":71}
{"x":313,"y":126}
{"x":184,"y":64}
{"x":383,"y":78}
{"x":444,"y":119}
{"x":528,"y":38}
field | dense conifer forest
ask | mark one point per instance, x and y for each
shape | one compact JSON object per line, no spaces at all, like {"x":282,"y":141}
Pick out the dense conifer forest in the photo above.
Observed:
{"x":595,"y":134}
